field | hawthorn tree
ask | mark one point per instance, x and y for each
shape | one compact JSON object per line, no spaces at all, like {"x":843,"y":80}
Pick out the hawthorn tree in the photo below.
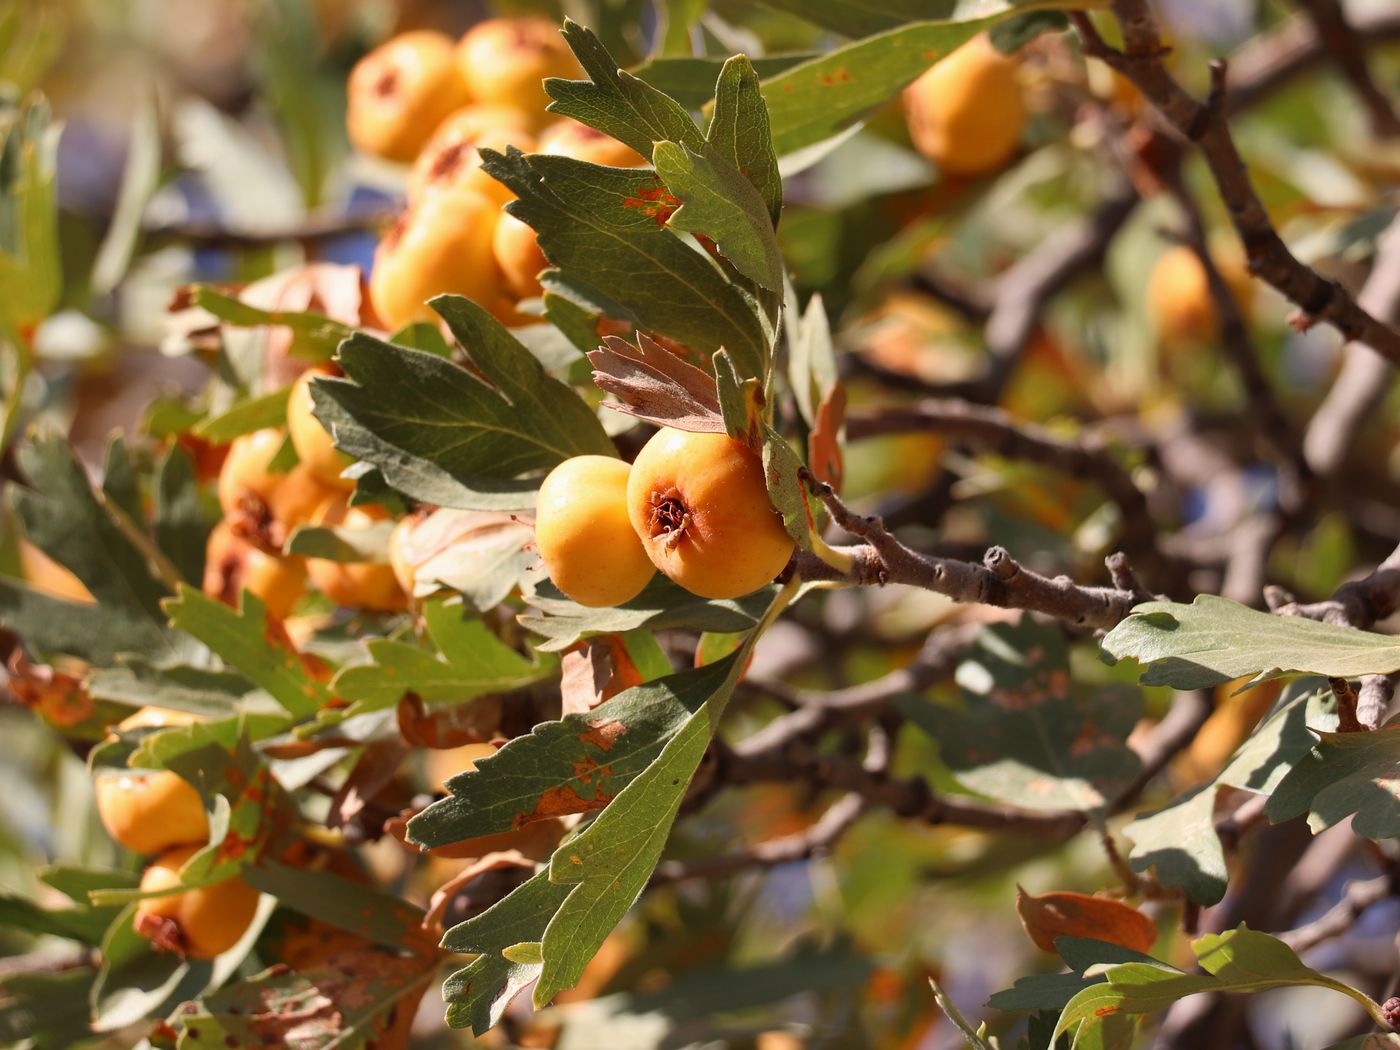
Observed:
{"x":884,"y":533}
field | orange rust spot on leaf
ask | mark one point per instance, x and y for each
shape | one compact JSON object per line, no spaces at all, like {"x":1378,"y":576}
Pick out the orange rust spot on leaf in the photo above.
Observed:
{"x":1104,"y":1011}
{"x":559,"y":802}
{"x":603,"y":733}
{"x":655,"y":201}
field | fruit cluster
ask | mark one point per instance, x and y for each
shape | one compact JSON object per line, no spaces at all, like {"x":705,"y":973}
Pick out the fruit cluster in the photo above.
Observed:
{"x":423,"y":100}
{"x":693,"y":505}
{"x":263,"y":505}
{"x":158,"y":813}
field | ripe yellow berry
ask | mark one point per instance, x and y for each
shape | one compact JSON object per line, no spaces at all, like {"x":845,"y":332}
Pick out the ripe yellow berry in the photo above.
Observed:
{"x":355,"y":585}
{"x":233,"y":565}
{"x":452,"y":158}
{"x":519,"y":257}
{"x":700,"y":505}
{"x":1180,"y":306}
{"x":400,"y":92}
{"x":505,"y":60}
{"x":150,"y":812}
{"x":966,"y":113}
{"x":583,"y":533}
{"x":570,"y":138}
{"x":440,"y":245}
{"x":201,"y":923}
{"x":315,"y":449}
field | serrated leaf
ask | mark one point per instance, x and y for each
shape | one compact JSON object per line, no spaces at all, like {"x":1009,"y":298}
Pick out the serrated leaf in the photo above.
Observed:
{"x":1214,"y":640}
{"x":719,"y":203}
{"x":690,"y":79}
{"x":139,"y":682}
{"x":661,"y":604}
{"x":467,"y":661}
{"x":93,"y":633}
{"x":1285,"y":737}
{"x":243,"y":640}
{"x":1180,"y":843}
{"x":604,"y":229}
{"x":575,"y":765}
{"x":1239,"y":960}
{"x":445,"y":435}
{"x":739,"y":132}
{"x":656,"y":384}
{"x":615,"y":102}
{"x":317,"y":334}
{"x":1026,"y":734}
{"x":1345,"y":775}
{"x":478,"y":994}
{"x":76,"y":527}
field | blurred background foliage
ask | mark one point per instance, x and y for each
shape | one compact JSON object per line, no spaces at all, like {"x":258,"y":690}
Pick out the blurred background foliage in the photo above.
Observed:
{"x":202,"y":140}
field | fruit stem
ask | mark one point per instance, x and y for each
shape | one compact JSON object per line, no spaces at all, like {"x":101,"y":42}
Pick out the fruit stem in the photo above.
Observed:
{"x":841,"y":561}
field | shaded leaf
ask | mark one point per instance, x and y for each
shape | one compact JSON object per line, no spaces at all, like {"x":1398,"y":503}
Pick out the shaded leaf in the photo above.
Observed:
{"x":739,"y":132}
{"x":1345,"y":775}
{"x":656,"y":385}
{"x":1179,"y":842}
{"x":379,"y":918}
{"x":1214,"y":640}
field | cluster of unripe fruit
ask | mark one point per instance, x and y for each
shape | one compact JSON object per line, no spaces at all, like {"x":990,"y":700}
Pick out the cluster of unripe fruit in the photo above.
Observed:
{"x":263,"y":506}
{"x":423,"y":99}
{"x":158,"y":813}
{"x":692,"y":505}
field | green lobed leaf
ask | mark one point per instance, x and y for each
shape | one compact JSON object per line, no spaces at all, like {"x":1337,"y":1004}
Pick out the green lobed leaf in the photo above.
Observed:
{"x":181,"y":531}
{"x":577,"y":764}
{"x":719,"y":203}
{"x":690,"y":79}
{"x":661,"y":604}
{"x":380,"y":918}
{"x":80,"y":529}
{"x":241,"y":639}
{"x":478,"y":994}
{"x":1214,"y":640}
{"x":1026,"y":735}
{"x":95,"y":633}
{"x":1345,"y":775}
{"x":467,"y":661}
{"x":604,"y":228}
{"x":317,"y":335}
{"x":1180,"y":843}
{"x":446,"y":435}
{"x":614,"y":101}
{"x":1239,"y":960}
{"x":739,"y":131}
{"x":139,"y":682}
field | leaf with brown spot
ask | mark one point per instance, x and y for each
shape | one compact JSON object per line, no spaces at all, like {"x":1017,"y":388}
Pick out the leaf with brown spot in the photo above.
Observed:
{"x":656,"y":385}
{"x":1064,"y":914}
{"x":580,"y":761}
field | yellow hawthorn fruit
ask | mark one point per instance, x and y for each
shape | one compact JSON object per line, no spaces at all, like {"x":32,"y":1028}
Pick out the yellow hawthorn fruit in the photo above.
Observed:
{"x":451,"y":157}
{"x":441,"y":244}
{"x":699,"y":503}
{"x":401,"y":559}
{"x":150,"y":812}
{"x":505,"y":60}
{"x":312,"y":441}
{"x":233,"y":565}
{"x":200,"y":923}
{"x":518,"y":256}
{"x":355,"y":585}
{"x":1179,"y":304}
{"x":584,"y":535}
{"x":247,"y":470}
{"x":44,"y":574}
{"x":399,"y":93}
{"x":966,"y":113}
{"x":570,"y":138}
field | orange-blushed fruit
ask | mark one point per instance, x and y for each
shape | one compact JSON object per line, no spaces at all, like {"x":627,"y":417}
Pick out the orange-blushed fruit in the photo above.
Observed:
{"x":967,"y":112}
{"x":315,"y":449}
{"x":199,"y":923}
{"x":1180,"y":306}
{"x":505,"y":60}
{"x":518,"y":256}
{"x":355,"y":585}
{"x":701,"y":508}
{"x":149,"y":812}
{"x":571,"y":138}
{"x":583,"y":533}
{"x":440,"y":245}
{"x":233,"y":565}
{"x":399,"y":93}
{"x":451,"y":157}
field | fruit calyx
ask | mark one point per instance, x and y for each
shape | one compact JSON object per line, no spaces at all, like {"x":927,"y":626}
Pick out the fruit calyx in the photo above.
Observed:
{"x":164,"y":933}
{"x":669,"y":517}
